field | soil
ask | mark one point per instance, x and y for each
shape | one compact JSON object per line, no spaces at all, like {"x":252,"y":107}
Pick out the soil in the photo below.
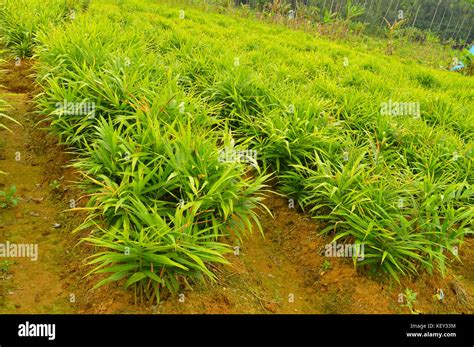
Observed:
{"x":284,"y":271}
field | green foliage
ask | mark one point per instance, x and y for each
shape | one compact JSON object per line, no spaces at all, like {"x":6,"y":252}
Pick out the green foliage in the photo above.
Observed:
{"x":5,"y":268}
{"x":353,"y":10}
{"x":168,"y":167}
{"x":170,"y":94}
{"x":8,"y":197}
{"x":5,"y":265}
{"x":20,"y":22}
{"x":410,"y":298}
{"x":450,"y":20}
{"x":55,"y":185}
{"x":468,"y":61}
{"x":4,"y":105}
{"x":326,"y":265}
{"x":159,"y":186}
{"x":158,"y":254}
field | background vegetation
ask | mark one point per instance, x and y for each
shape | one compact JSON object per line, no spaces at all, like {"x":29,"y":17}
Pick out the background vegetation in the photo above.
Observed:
{"x":174,"y":85}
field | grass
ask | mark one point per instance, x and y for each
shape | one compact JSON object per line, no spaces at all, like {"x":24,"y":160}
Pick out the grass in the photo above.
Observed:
{"x":171,"y":93}
{"x":21,"y":22}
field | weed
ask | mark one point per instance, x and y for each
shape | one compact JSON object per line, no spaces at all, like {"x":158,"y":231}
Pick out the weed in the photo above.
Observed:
{"x":9,"y":199}
{"x":410,"y":299}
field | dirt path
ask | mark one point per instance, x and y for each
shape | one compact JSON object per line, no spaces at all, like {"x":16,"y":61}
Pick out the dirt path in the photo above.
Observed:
{"x":30,"y":286}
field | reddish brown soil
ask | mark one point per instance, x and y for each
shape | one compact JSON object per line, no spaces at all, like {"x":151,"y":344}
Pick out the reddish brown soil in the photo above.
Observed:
{"x":284,"y":272}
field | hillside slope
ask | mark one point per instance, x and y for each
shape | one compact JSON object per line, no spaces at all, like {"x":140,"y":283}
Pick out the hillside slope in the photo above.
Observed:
{"x":377,"y":150}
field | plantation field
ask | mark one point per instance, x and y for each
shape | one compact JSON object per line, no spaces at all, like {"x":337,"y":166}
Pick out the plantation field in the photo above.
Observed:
{"x":194,"y":161}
